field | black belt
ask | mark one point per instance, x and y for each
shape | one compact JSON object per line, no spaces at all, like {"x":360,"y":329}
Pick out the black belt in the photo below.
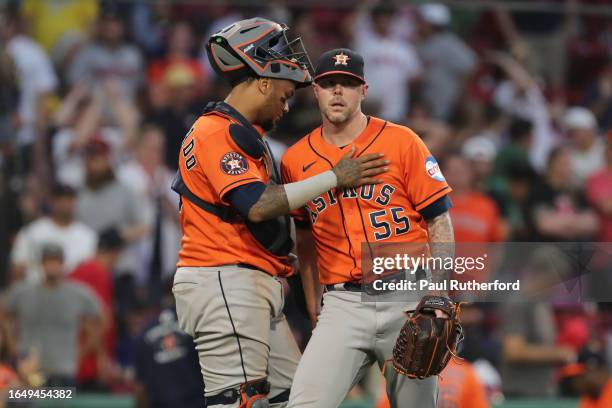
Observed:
{"x":369,"y":288}
{"x":247,"y":266}
{"x":348,"y":286}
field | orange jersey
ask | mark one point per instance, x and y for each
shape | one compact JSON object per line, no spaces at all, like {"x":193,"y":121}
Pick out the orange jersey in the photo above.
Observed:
{"x":604,"y":400}
{"x":211,"y":165}
{"x":459,"y":388}
{"x":387,"y":212}
{"x":475,"y":218}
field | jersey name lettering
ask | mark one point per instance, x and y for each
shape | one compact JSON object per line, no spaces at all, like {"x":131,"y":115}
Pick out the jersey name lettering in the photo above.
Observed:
{"x":370,"y":192}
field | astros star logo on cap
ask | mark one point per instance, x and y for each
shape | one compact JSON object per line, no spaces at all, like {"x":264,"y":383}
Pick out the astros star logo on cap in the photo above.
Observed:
{"x":341,"y":59}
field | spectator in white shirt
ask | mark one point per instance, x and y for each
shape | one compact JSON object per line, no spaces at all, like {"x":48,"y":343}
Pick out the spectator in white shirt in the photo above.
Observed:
{"x":150,"y":179}
{"x":77,"y":240}
{"x":391,"y":64}
{"x":447,"y":60}
{"x":520,"y":96}
{"x":110,"y":56}
{"x":587,"y":149}
{"x":37,"y":80}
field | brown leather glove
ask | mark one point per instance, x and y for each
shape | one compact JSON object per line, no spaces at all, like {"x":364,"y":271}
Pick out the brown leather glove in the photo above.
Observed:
{"x":426,"y":343}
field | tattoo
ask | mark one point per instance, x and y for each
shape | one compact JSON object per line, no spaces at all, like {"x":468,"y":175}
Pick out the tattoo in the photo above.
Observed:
{"x":272,"y":203}
{"x":442,"y":242}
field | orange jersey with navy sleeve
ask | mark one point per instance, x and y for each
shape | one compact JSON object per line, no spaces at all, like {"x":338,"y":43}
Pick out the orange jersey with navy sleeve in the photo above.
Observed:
{"x":387,"y":212}
{"x":211,"y":165}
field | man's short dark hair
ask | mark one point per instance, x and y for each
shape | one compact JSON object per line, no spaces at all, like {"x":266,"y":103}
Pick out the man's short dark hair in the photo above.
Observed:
{"x":52,"y":251}
{"x":62,"y":190}
{"x":110,"y":240}
{"x":520,"y":129}
{"x":244,"y":78}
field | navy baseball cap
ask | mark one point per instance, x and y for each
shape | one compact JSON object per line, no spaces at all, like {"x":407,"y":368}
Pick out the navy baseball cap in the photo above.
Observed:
{"x":340,"y":61}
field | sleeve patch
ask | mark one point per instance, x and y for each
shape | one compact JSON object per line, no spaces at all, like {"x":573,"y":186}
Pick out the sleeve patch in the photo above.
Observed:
{"x":433,"y":169}
{"x":234,"y":164}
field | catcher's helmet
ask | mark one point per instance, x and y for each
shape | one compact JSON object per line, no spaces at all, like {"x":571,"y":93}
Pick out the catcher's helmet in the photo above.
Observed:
{"x":258,"y":46}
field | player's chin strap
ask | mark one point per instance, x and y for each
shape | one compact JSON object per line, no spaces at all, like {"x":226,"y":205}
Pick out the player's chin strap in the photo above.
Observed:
{"x":253,"y":394}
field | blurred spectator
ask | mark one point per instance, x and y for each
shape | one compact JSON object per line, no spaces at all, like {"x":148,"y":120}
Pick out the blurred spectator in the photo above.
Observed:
{"x":390,"y":65}
{"x":557,"y":212}
{"x":150,"y":22}
{"x":178,"y":56}
{"x":109,"y":56}
{"x":481,"y":152}
{"x":57,"y":23}
{"x":480,"y":345}
{"x":587,"y":149}
{"x":9,"y":102}
{"x":598,"y":97}
{"x":529,"y":331}
{"x":81,"y":123}
{"x":48,"y":316}
{"x":167,"y":365}
{"x":437,"y":135}
{"x":519,"y":95}
{"x":148,"y":177}
{"x":599,"y":194}
{"x":178,"y":112}
{"x":447,"y":60}
{"x":95,"y":368}
{"x":302,"y":118}
{"x":77,"y":240}
{"x":8,"y":374}
{"x":106,"y":203}
{"x":37,"y":81}
{"x":475,"y":216}
{"x":539,"y":37}
{"x":519,"y":181}
{"x":516,"y":151}
{"x":304,"y":25}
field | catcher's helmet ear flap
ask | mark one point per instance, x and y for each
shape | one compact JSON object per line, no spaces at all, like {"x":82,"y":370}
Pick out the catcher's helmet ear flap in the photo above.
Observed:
{"x":258,"y":47}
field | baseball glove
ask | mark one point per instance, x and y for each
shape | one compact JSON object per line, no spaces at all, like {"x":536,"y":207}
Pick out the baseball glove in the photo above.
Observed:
{"x":426,"y":343}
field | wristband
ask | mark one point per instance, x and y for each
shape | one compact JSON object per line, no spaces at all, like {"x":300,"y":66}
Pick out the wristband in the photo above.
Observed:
{"x":300,"y":192}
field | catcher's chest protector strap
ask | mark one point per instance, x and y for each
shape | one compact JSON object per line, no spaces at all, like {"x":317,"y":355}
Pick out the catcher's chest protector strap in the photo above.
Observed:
{"x":273,"y":235}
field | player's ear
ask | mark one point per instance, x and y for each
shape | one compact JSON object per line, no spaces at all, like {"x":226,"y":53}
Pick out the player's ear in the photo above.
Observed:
{"x":264,"y":85}
{"x":364,"y":91}
{"x":315,"y":90}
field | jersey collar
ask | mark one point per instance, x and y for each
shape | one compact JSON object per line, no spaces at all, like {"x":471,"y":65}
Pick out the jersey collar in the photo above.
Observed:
{"x":362,"y":142}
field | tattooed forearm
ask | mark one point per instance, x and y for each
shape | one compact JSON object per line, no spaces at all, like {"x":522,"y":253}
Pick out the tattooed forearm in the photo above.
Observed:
{"x":272,"y":203}
{"x":442,"y":242}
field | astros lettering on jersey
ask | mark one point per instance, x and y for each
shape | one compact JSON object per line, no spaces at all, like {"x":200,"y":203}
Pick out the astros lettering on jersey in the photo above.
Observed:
{"x":387,"y":212}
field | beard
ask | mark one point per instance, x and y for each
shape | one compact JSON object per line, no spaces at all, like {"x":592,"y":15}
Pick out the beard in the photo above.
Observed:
{"x":337,"y":118}
{"x":97,"y":180}
{"x":268,"y":125}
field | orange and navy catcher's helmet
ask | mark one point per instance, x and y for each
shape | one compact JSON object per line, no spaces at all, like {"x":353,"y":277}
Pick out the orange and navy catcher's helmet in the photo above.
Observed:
{"x":258,"y":46}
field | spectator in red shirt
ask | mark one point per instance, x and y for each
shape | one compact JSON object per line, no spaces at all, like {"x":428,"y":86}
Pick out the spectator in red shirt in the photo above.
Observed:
{"x":95,"y":366}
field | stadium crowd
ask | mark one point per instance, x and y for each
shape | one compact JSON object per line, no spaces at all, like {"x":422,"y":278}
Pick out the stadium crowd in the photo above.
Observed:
{"x":96,"y":96}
